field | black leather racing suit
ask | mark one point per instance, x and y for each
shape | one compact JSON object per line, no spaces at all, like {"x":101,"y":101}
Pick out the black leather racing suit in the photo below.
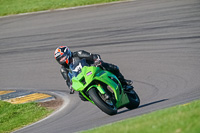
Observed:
{"x":90,"y":59}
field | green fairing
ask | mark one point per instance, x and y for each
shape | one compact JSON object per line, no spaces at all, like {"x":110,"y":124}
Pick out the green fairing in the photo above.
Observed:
{"x":85,"y":79}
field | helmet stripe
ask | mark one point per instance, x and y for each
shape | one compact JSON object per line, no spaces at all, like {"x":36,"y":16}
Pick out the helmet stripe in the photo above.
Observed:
{"x":67,"y":61}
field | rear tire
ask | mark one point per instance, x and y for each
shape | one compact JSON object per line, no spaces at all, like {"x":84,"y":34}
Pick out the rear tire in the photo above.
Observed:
{"x":100,"y":103}
{"x":134,"y":100}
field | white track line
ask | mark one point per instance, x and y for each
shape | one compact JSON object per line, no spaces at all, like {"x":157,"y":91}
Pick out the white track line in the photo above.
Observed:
{"x":66,"y":101}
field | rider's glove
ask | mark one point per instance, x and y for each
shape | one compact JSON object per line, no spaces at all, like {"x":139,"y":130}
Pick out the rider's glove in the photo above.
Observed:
{"x":97,"y":62}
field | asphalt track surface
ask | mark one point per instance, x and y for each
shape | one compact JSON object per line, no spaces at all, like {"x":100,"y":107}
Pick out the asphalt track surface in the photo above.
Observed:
{"x":155,"y":43}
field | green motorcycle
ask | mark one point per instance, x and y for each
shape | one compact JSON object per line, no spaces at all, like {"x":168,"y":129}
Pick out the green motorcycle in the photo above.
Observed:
{"x":101,"y":88}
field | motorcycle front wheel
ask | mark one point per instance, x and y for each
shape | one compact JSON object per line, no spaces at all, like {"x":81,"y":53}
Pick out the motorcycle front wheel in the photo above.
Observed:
{"x":106,"y":105}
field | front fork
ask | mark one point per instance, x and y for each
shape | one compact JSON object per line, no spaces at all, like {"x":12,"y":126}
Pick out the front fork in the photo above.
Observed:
{"x":99,"y":88}
{"x":120,"y":102}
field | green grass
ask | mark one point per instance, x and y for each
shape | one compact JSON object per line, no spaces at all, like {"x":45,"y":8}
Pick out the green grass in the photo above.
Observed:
{"x":179,"y":119}
{"x":8,"y":7}
{"x":14,"y":116}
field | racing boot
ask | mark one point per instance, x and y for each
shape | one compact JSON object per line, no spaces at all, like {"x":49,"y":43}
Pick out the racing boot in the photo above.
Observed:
{"x":128,"y":87}
{"x":71,"y":91}
{"x":126,"y":84}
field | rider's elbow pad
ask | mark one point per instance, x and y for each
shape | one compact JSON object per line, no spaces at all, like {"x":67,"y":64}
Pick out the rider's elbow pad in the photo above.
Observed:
{"x":64,"y":73}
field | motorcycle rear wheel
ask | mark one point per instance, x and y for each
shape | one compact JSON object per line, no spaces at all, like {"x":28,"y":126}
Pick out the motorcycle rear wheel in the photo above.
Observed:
{"x":105,"y":106}
{"x":134,"y":100}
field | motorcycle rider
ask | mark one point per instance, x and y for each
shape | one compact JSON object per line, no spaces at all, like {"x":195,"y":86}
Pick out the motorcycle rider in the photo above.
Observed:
{"x":65,"y":57}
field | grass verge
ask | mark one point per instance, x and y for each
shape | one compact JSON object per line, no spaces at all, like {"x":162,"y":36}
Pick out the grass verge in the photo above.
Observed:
{"x":15,"y":116}
{"x":179,"y":119}
{"x":8,"y":7}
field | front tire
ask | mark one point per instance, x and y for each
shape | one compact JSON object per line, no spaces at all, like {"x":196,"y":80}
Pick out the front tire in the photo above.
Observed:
{"x":134,"y":100}
{"x":108,"y":108}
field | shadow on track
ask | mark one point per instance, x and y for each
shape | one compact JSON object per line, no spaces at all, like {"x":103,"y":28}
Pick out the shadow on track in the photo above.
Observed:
{"x":141,"y":106}
{"x":152,"y":103}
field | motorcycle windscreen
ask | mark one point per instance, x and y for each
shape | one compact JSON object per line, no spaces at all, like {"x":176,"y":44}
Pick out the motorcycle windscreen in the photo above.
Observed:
{"x":76,"y":67}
